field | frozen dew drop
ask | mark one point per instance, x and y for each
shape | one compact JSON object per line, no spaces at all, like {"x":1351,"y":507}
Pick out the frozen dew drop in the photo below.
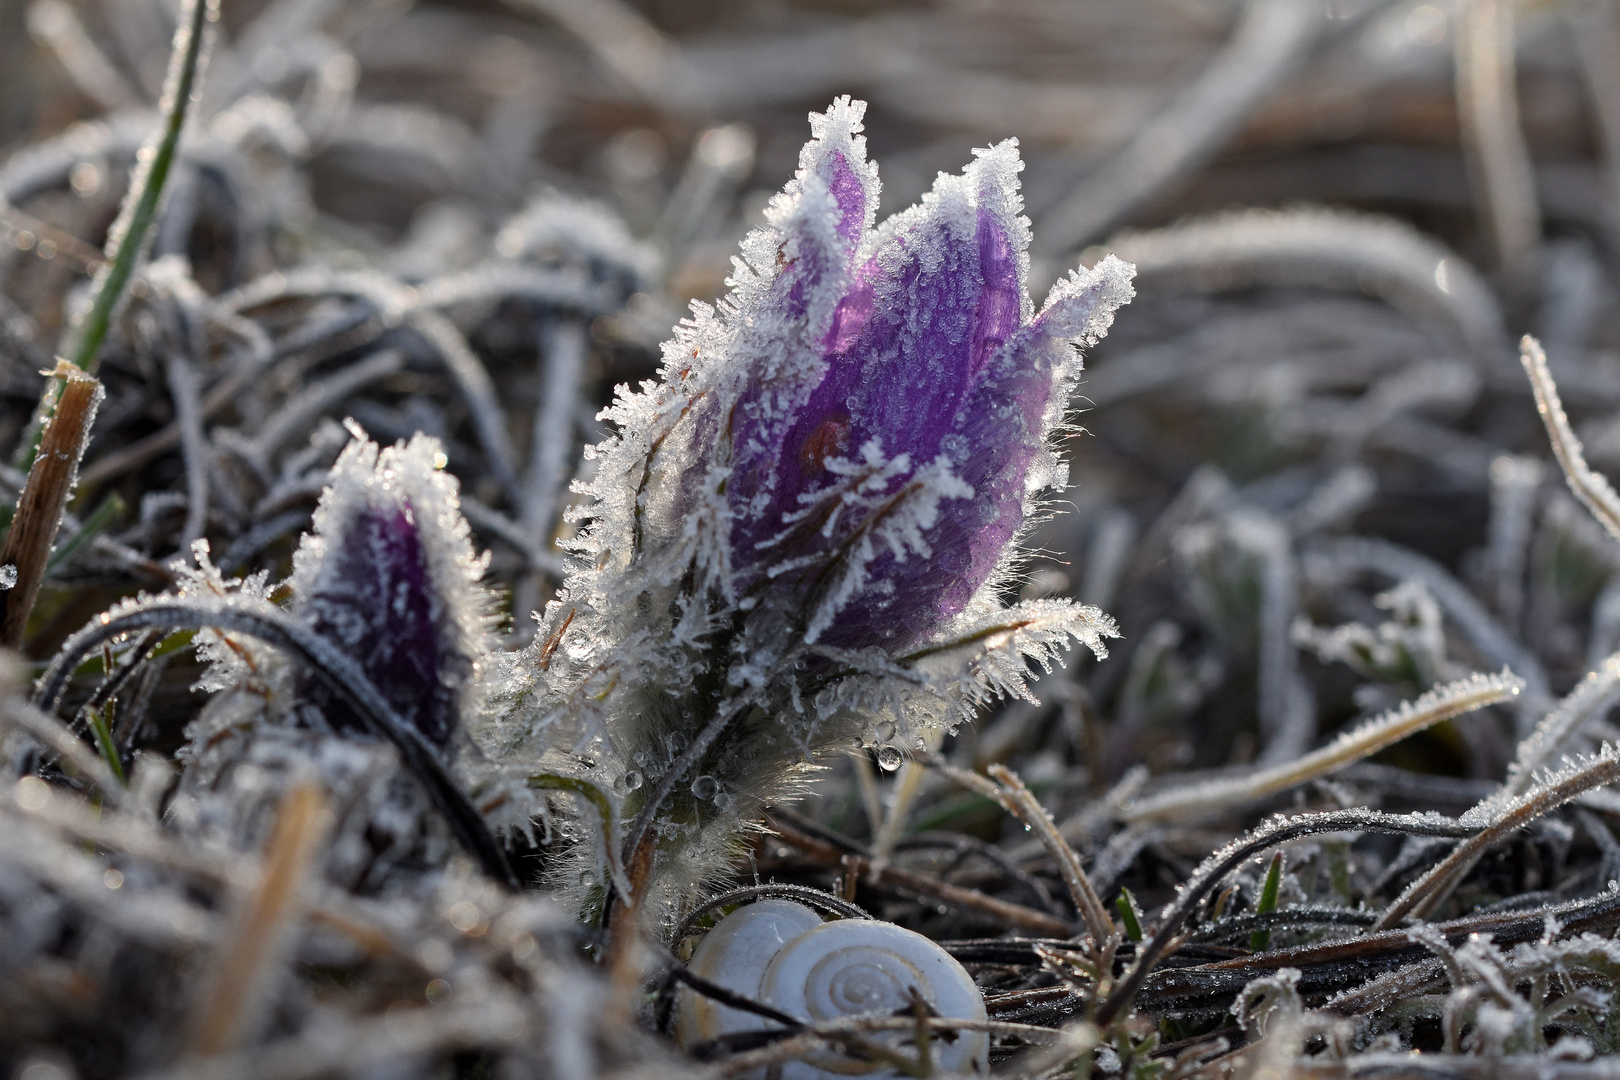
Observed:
{"x":629,"y":782}
{"x":705,"y":787}
{"x":8,"y":576}
{"x":885,"y":730}
{"x":888,"y":758}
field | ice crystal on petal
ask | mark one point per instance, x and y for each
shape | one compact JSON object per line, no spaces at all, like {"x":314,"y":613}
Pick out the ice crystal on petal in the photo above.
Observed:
{"x":800,"y":530}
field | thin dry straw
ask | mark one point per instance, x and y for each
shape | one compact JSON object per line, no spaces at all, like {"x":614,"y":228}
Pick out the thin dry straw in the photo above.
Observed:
{"x":1003,"y":911}
{"x":1286,"y":711}
{"x":1499,"y":160}
{"x":317,"y":399}
{"x":194,"y":445}
{"x":1514,"y":484}
{"x":377,"y":1045}
{"x":55,"y":23}
{"x":1590,"y":698}
{"x":1009,"y":792}
{"x":563,"y":348}
{"x":1022,"y":802}
{"x":1272,"y":37}
{"x":1335,"y":249}
{"x":629,"y":46}
{"x":1483,"y":632}
{"x":1441,"y":703}
{"x":396,"y":303}
{"x":1426,"y":892}
{"x":1278,"y":830}
{"x":845,"y":1031}
{"x":1596,"y":36}
{"x":133,"y":835}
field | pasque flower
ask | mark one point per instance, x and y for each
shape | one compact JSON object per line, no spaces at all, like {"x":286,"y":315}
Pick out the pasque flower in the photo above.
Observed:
{"x":798,"y":536}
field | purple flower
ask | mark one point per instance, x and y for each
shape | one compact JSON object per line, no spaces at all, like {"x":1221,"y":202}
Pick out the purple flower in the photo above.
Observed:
{"x":388,"y":576}
{"x":797,"y":534}
{"x":900,"y":464}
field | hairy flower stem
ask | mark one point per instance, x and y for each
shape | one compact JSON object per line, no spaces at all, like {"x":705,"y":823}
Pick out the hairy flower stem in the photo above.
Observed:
{"x":641,"y":835}
{"x":599,"y":802}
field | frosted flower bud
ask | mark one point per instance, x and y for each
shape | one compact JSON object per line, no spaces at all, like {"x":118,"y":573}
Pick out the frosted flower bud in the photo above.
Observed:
{"x":388,"y":575}
{"x":799,"y":531}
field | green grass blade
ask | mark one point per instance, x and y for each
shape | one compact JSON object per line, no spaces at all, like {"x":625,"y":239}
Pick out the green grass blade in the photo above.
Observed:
{"x":1260,"y":940}
{"x":1126,"y":903}
{"x":128,"y":237}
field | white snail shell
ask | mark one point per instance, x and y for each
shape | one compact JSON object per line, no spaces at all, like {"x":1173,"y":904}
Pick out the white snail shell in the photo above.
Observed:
{"x":781,"y":954}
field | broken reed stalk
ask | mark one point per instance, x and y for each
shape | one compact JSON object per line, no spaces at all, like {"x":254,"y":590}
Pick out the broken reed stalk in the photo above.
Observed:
{"x":51,"y":478}
{"x":250,"y":951}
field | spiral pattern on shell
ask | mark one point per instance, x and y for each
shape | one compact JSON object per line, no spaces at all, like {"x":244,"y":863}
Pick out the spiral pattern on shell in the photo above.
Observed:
{"x":781,"y":954}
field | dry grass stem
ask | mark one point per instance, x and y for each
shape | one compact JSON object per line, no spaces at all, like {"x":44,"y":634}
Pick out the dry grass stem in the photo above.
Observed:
{"x":258,"y":934}
{"x":1022,"y":803}
{"x":1487,"y":99}
{"x":1590,"y":486}
{"x":1024,"y":918}
{"x":1442,"y":703}
{"x":1426,"y":892}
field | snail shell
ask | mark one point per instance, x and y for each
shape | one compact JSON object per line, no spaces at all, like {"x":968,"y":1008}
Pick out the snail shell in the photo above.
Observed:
{"x":781,"y":954}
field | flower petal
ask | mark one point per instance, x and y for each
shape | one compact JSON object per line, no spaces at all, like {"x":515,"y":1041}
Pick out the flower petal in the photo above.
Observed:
{"x":933,"y":304}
